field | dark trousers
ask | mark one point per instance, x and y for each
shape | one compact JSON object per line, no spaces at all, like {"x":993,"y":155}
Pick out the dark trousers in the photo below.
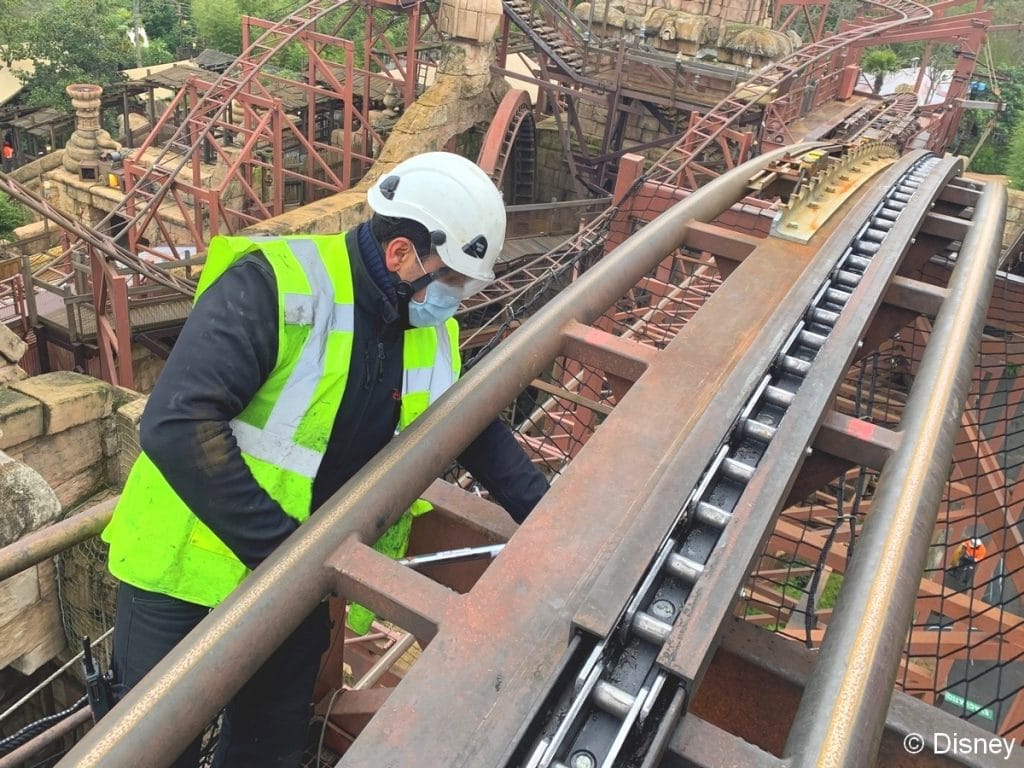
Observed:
{"x":265,"y":724}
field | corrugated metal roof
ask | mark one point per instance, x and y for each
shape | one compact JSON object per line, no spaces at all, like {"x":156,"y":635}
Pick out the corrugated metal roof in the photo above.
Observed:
{"x":10,"y":83}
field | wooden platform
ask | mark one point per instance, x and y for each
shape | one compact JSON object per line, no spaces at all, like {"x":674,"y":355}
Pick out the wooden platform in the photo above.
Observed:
{"x":144,"y":316}
{"x":522,"y":247}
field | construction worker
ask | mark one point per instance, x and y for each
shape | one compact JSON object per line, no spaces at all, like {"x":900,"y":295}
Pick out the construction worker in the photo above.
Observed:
{"x":967,"y":556}
{"x":301,"y":358}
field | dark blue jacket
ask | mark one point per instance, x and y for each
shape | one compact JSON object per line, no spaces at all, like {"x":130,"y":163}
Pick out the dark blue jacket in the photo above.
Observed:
{"x":225,"y":352}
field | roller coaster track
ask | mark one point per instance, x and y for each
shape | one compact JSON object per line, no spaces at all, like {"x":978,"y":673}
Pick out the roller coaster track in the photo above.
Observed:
{"x":141,"y":203}
{"x":584,"y":643}
{"x":770,"y":80}
{"x":514,"y":289}
{"x":890,"y":120}
{"x":511,"y":137}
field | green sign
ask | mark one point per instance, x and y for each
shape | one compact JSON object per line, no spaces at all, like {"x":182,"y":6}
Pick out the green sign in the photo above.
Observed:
{"x":969,"y":706}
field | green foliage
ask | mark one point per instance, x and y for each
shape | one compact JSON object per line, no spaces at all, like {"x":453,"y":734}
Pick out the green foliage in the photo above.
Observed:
{"x":161,"y":18}
{"x":292,"y":59}
{"x":12,"y":215}
{"x":831,"y":591}
{"x":219,"y":22}
{"x":838,"y":11}
{"x":156,"y":52}
{"x":168,"y":28}
{"x":74,"y":41}
{"x":13,"y":17}
{"x":1015,"y":161}
{"x":995,"y":156}
{"x":989,"y":159}
{"x":880,"y":62}
{"x":1008,"y":46}
{"x":218,"y":25}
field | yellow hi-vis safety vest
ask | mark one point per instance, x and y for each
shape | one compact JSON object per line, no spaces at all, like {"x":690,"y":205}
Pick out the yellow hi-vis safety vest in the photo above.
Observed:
{"x":156,"y":542}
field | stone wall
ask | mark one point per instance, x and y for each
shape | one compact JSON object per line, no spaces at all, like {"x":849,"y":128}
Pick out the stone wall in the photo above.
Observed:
{"x":758,"y":12}
{"x":640,"y":128}
{"x":30,"y":175}
{"x":554,"y":181}
{"x":30,"y":629}
{"x":60,"y":424}
{"x":84,"y":201}
{"x":12,"y":348}
{"x":59,"y":446}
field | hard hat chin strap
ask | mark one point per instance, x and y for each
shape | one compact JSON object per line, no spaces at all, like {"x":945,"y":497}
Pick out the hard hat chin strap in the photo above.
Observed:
{"x":405,"y":290}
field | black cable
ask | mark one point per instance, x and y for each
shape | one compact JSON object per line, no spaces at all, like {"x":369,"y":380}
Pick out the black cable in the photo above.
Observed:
{"x":32,"y":730}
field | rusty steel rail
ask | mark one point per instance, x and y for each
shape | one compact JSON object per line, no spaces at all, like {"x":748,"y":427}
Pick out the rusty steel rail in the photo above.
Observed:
{"x":527,"y":647}
{"x":19,"y":758}
{"x":842,"y":713}
{"x":181,"y":694}
{"x":763,"y":429}
{"x":54,"y":539}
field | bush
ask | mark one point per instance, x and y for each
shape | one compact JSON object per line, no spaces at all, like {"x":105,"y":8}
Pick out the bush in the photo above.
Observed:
{"x":989,"y":159}
{"x":12,"y":216}
{"x":1015,"y":159}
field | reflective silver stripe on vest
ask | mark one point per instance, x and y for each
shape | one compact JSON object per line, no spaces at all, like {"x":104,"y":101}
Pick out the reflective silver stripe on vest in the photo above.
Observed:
{"x":299,"y":308}
{"x":275,"y":442}
{"x":435,"y":380}
{"x":276,"y":449}
{"x":443,"y":376}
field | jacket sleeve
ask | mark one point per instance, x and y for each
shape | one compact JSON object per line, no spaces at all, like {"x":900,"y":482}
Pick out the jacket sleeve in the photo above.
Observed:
{"x":499,"y":463}
{"x":224,"y":353}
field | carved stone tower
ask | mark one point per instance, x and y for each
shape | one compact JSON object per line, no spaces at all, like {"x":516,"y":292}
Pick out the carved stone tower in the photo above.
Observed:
{"x":89,"y":139}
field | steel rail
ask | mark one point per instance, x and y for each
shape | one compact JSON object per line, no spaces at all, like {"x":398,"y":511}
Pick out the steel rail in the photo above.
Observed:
{"x":510,"y":647}
{"x":687,"y":595}
{"x":184,"y":691}
{"x":46,"y":542}
{"x":842,"y":712}
{"x":19,"y":758}
{"x":729,"y":110}
{"x":726,"y":113}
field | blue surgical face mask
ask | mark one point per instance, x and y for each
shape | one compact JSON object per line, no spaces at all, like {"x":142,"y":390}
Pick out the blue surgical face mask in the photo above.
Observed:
{"x":436,"y":307}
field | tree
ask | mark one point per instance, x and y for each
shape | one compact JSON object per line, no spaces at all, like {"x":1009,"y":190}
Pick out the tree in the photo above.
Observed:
{"x":12,"y":215}
{"x":13,"y":17}
{"x":999,"y":134}
{"x":75,"y":41}
{"x":1008,"y":45}
{"x":880,"y":62}
{"x":167,"y":24}
{"x":156,"y":52}
{"x":942,"y":58}
{"x":219,"y":22}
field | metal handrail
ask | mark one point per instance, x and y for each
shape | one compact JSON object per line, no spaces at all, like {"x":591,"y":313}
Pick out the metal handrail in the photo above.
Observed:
{"x":842,"y":712}
{"x":178,"y":697}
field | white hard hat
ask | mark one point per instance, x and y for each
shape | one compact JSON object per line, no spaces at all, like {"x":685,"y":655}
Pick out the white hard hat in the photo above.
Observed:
{"x":459,"y":205}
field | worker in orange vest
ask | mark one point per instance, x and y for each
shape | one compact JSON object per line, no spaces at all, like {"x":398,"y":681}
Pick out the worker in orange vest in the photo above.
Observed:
{"x":967,"y":555}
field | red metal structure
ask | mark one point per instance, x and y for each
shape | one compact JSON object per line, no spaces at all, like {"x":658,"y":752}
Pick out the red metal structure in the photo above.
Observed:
{"x":263,"y":133}
{"x":620,"y":364}
{"x":237,"y":150}
{"x":234,"y":151}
